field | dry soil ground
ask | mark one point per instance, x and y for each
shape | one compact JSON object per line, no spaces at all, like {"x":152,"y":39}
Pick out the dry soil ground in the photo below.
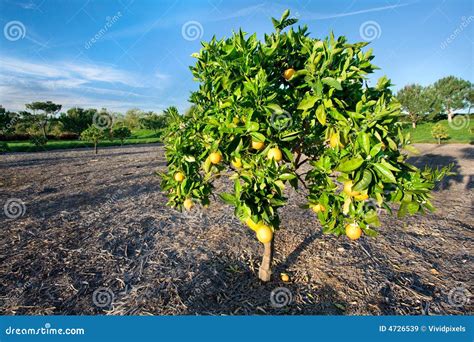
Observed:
{"x":95,"y":237}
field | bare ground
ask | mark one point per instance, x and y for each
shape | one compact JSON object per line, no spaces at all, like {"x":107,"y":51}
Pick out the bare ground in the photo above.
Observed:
{"x":96,"y":228}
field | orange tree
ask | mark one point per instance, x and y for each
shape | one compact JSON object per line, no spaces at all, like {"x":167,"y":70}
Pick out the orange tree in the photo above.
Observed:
{"x":293,"y":110}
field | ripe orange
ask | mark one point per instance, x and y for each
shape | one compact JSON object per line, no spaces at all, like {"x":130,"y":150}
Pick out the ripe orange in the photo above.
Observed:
{"x":285,"y":277}
{"x":252,"y":225}
{"x":257,"y":145}
{"x":264,"y":233}
{"x":288,"y":73}
{"x":179,"y":176}
{"x":188,"y":203}
{"x":215,"y":157}
{"x":237,"y":163}
{"x":318,"y":207}
{"x":275,"y":153}
{"x":353,"y":231}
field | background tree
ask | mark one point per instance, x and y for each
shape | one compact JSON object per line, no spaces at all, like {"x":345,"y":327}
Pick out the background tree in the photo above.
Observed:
{"x":153,"y":121}
{"x":266,"y":108}
{"x":93,"y":135}
{"x":419,"y":102}
{"x":43,"y":111}
{"x":121,"y":133}
{"x":132,"y":118}
{"x":7,"y":121}
{"x":452,"y":92}
{"x":77,"y":119}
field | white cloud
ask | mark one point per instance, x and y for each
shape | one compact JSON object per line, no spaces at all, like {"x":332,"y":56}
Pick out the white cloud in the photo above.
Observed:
{"x":75,"y":84}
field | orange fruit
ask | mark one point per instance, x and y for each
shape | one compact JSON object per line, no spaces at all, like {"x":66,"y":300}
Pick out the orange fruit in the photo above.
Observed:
{"x":215,"y":157}
{"x":275,"y":153}
{"x":188,"y":203}
{"x":288,"y":73}
{"x":257,"y":145}
{"x":285,"y":277}
{"x":237,"y":163}
{"x":353,"y":231}
{"x":264,"y":233}
{"x":179,"y":176}
{"x":318,"y":207}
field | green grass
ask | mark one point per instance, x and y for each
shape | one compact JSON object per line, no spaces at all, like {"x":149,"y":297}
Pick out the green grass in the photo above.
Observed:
{"x":142,"y":136}
{"x":459,"y":132}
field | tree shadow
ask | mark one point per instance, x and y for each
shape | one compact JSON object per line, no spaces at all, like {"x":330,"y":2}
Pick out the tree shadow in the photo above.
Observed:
{"x":217,"y":289}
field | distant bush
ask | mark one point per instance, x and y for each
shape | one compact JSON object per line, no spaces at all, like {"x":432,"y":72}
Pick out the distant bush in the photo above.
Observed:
{"x":68,"y":136}
{"x":439,"y":132}
{"x":15,"y":137}
{"x":4,"y":147}
{"x":121,"y":133}
{"x":38,"y":140}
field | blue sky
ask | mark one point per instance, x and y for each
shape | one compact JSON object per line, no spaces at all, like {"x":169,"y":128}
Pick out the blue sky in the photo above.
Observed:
{"x":135,"y":54}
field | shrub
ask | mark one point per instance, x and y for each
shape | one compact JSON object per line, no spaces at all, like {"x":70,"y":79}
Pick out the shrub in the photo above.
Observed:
{"x":439,"y":132}
{"x":94,"y":135}
{"x":266,"y":108}
{"x":121,"y":133}
{"x":4,"y":147}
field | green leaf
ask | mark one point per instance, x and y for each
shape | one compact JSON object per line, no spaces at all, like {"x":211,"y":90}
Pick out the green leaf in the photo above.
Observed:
{"x":287,"y":176}
{"x":351,"y":164}
{"x":321,"y":115}
{"x":364,"y":182}
{"x":258,"y":136}
{"x":332,"y":82}
{"x":229,"y":198}
{"x":307,"y":102}
{"x":385,"y":173}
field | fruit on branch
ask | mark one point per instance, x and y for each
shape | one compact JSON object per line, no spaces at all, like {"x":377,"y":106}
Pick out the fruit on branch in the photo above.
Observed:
{"x":258,"y":145}
{"x":215,"y":157}
{"x":264,"y":233}
{"x":188,"y":203}
{"x":275,"y":154}
{"x":179,"y":176}
{"x":288,"y":73}
{"x":353,"y":231}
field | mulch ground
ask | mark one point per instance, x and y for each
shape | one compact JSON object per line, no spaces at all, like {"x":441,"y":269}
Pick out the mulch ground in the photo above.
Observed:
{"x":94,"y":236}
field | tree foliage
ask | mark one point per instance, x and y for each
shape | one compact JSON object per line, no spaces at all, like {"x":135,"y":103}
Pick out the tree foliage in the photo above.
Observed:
{"x":324,"y":115}
{"x":453,"y":93}
{"x":93,"y":135}
{"x":77,"y":119}
{"x":419,"y":102}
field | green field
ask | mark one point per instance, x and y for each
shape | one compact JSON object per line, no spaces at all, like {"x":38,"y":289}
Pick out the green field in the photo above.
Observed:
{"x":422,"y":134}
{"x":141,"y":136}
{"x":459,"y":132}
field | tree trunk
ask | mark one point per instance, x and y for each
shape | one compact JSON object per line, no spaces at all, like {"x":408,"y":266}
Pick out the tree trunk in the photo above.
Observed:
{"x":95,"y":148}
{"x":450,"y":115}
{"x":439,"y":141}
{"x":265,"y":270}
{"x":43,"y":127}
{"x":413,"y":124}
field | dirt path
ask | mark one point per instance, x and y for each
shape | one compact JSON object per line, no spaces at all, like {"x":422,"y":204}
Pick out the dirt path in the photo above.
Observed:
{"x":96,"y":228}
